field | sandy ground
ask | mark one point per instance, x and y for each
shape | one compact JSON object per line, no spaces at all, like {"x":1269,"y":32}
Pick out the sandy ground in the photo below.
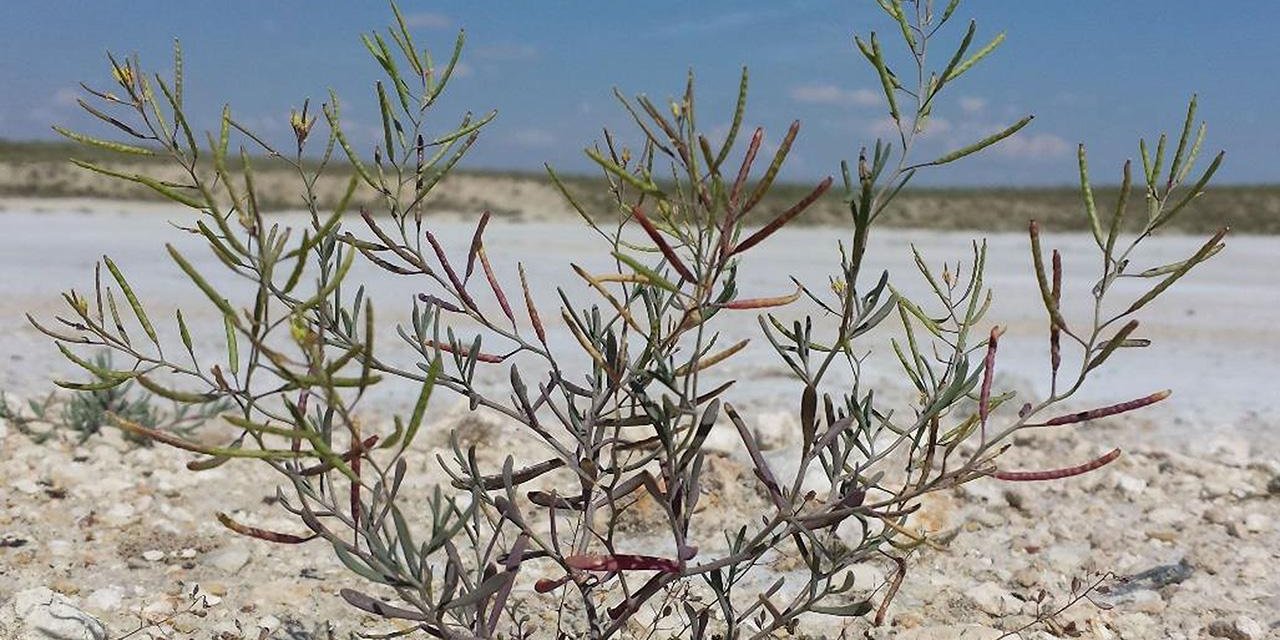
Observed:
{"x":120,"y":531}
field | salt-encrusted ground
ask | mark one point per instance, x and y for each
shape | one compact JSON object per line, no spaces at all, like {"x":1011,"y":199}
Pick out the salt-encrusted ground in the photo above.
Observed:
{"x":1191,"y":512}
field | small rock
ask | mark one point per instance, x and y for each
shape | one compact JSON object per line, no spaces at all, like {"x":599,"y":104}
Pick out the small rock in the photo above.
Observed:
{"x":269,"y":623}
{"x":40,"y":614}
{"x":1129,"y":485}
{"x":153,"y":555}
{"x":228,"y":559}
{"x":993,"y":600}
{"x":1027,"y":577}
{"x":1167,"y":517}
{"x":1141,"y":600}
{"x":1066,"y":558}
{"x":1218,"y":515}
{"x":1273,"y":487}
{"x":187,"y":553}
{"x":1239,"y":628}
{"x":1256,"y":523}
{"x":106,"y":599}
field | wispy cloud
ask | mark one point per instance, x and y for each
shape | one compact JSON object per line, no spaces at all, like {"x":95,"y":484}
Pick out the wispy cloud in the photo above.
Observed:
{"x":886,"y":128}
{"x":819,"y":93}
{"x":428,"y":20}
{"x":65,"y":97}
{"x":973,"y":105}
{"x":533,"y":137}
{"x":1033,"y":146}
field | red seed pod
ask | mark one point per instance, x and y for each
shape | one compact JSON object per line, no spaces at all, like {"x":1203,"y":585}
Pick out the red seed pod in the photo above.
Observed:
{"x":1103,"y":412}
{"x":261,"y":534}
{"x":1057,"y":474}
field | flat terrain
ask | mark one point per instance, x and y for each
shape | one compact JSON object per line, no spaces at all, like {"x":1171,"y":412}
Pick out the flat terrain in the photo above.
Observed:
{"x":1191,"y":514}
{"x":42,"y":170}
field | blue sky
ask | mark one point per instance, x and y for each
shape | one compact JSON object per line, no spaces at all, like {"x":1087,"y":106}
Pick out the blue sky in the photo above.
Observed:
{"x":1094,"y":71}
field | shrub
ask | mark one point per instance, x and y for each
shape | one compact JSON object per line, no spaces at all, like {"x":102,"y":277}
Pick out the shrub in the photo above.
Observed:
{"x":86,"y":411}
{"x":625,"y":413}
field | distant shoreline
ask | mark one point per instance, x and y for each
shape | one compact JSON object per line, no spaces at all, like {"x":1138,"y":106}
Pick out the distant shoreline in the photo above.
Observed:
{"x":42,"y":173}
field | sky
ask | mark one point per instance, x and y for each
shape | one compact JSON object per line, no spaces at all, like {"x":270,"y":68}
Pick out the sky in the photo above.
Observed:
{"x":1094,"y":71}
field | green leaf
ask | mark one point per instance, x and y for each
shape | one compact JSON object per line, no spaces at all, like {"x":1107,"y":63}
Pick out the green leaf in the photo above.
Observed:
{"x":233,"y":345}
{"x":203,"y":284}
{"x":977,"y":57}
{"x":420,"y":407}
{"x":851,"y":610}
{"x":1086,"y":193}
{"x":979,"y":145}
{"x":649,"y":274}
{"x":1176,"y":166}
{"x":1207,"y":249}
{"x":109,"y":145}
{"x":133,"y":301}
{"x":155,"y":185}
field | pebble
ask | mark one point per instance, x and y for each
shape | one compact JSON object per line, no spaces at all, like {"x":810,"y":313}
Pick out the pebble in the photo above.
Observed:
{"x":1066,"y":558}
{"x":106,"y":599}
{"x":1166,"y":517}
{"x":1257,"y":523}
{"x":994,"y":600}
{"x":153,"y":555}
{"x":229,"y":559}
{"x":1142,"y":601}
{"x":269,"y":623}
{"x":1129,"y":485}
{"x":40,"y":614}
{"x":1238,"y":628}
{"x":1027,"y":577}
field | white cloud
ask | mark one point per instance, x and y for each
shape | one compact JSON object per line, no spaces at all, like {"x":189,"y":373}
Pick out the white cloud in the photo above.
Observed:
{"x":428,"y":20}
{"x":65,"y":97}
{"x":533,"y":137}
{"x":1034,"y":146}
{"x":832,"y":94}
{"x":886,"y":128}
{"x":972,"y":104}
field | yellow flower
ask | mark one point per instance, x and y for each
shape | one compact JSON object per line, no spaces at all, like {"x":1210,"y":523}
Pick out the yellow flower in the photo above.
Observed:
{"x":123,"y":74}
